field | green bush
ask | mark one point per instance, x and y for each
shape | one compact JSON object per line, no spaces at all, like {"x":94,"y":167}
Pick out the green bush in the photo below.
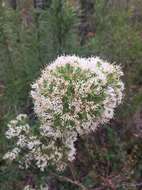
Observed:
{"x":118,"y":39}
{"x":29,"y":40}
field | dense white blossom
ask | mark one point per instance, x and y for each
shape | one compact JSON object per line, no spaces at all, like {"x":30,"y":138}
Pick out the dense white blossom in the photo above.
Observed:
{"x":73,"y":96}
{"x":78,"y":93}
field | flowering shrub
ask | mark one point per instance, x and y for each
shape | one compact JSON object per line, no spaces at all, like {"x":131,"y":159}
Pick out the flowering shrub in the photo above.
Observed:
{"x":72,"y":97}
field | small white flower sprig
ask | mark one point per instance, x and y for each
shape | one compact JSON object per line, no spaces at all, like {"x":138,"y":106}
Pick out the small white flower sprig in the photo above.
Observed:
{"x":72,"y":97}
{"x":35,"y":150}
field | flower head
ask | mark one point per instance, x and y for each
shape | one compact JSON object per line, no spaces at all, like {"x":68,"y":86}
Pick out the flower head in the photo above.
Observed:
{"x":72,"y":91}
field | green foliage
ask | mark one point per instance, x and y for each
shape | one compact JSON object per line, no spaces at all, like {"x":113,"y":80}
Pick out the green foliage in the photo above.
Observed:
{"x":118,"y":39}
{"x":58,"y":29}
{"x":30,"y":40}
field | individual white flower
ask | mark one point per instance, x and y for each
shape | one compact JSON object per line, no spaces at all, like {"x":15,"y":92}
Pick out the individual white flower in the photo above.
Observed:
{"x":22,"y":141}
{"x":32,"y":143}
{"x":28,"y":187}
{"x":21,"y":117}
{"x":12,"y":155}
{"x":108,"y":113}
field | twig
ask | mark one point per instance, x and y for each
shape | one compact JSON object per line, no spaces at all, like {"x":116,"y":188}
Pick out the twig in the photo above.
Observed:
{"x":72,"y":171}
{"x":77,"y":183}
{"x":130,"y":185}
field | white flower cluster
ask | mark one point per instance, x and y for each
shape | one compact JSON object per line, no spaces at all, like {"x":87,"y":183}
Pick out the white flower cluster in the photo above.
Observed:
{"x":72,"y":97}
{"x":77,"y":94}
{"x":38,"y":150}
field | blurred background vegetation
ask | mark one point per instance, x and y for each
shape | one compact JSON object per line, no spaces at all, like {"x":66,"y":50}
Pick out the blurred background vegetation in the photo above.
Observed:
{"x":32,"y":34}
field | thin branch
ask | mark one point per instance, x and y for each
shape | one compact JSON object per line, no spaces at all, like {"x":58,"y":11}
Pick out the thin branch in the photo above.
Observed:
{"x":77,"y":183}
{"x":72,"y":171}
{"x":130,"y":185}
